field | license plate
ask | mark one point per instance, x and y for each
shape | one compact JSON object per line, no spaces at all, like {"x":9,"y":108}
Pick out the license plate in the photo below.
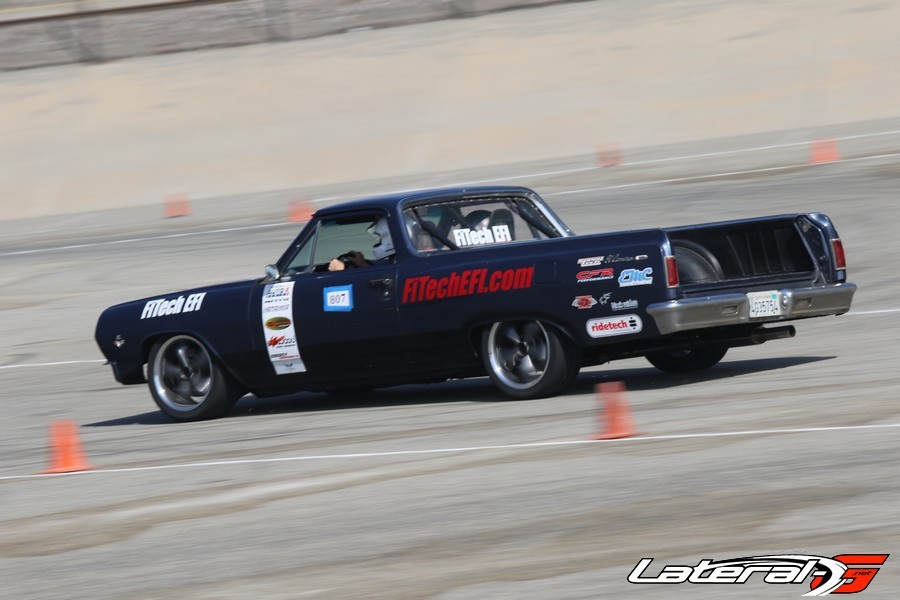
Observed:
{"x":764,"y":304}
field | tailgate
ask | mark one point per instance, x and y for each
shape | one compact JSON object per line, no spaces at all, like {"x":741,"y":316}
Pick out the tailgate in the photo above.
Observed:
{"x":756,"y":254}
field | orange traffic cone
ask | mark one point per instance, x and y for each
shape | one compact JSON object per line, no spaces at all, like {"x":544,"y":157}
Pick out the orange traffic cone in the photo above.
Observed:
{"x":609,"y":155}
{"x":824,"y":151}
{"x":619,"y":423}
{"x":299,"y":211}
{"x":67,"y":455}
{"x":177,"y":205}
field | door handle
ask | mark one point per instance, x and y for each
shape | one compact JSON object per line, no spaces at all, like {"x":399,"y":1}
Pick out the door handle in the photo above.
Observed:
{"x":386,"y":285}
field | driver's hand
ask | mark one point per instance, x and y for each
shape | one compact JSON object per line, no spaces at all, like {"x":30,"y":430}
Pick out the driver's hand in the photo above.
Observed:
{"x":336,"y":265}
{"x":357,"y":258}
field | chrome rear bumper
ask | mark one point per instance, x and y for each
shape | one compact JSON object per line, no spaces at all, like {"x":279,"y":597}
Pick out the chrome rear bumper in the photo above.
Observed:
{"x":734,"y":309}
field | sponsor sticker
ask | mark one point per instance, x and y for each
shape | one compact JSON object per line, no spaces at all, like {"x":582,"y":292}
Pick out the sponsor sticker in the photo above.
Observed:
{"x":278,"y":323}
{"x":338,"y":298}
{"x":284,"y":354}
{"x":841,"y":574}
{"x":616,"y":258}
{"x":164,"y":307}
{"x":593,"y":261}
{"x":582,"y":302}
{"x":478,"y":237}
{"x":609,"y":326}
{"x":624,"y":305}
{"x":277,"y":307}
{"x":631,"y":277}
{"x":466,"y":283}
{"x":590,"y":261}
{"x":595,"y":275}
{"x":605,"y":298}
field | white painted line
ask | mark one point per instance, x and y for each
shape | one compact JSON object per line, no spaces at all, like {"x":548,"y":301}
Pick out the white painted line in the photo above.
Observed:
{"x":508,"y":178}
{"x":759,"y":148}
{"x":357,"y":455}
{"x":873,"y":312}
{"x":718,"y":175}
{"x":53,"y":364}
{"x":144,"y":239}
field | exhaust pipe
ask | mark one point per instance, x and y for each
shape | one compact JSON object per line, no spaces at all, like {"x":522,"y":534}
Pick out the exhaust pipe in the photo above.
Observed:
{"x":761,"y":334}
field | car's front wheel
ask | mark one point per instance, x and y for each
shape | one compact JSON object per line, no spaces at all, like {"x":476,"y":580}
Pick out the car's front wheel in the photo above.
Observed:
{"x":187,"y":383}
{"x":527,"y":359}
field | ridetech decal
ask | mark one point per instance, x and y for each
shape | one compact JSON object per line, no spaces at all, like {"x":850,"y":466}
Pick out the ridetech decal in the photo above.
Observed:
{"x":276,"y":311}
{"x":625,"y":324}
{"x":164,"y":307}
{"x":466,"y":283}
{"x":841,"y":574}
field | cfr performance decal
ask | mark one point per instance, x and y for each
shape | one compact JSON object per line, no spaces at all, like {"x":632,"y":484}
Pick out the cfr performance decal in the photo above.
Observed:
{"x":338,"y":298}
{"x":276,"y":314}
{"x":622,"y":325}
{"x":595,"y":275}
{"x":466,"y":283}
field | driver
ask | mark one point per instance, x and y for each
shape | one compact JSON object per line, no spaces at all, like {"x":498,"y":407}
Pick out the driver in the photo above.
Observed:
{"x":382,"y":249}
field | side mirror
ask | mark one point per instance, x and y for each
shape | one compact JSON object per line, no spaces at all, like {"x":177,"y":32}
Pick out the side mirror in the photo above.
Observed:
{"x":272,"y":273}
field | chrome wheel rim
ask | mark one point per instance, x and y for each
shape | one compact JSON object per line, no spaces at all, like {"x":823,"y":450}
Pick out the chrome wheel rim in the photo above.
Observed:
{"x":518,"y":352}
{"x":182,"y":373}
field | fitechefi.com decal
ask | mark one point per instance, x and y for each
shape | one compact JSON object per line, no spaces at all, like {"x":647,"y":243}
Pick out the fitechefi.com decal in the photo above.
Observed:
{"x":841,"y":574}
{"x":278,"y":328}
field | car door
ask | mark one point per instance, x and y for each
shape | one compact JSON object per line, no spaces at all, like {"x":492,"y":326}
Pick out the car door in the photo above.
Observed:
{"x":329,"y":326}
{"x":346,"y":322}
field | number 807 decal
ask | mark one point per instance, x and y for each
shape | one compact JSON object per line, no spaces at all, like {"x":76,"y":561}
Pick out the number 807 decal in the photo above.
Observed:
{"x":338,"y":298}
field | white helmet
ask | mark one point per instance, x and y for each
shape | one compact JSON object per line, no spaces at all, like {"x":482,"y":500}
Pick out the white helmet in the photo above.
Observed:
{"x":384,"y":245}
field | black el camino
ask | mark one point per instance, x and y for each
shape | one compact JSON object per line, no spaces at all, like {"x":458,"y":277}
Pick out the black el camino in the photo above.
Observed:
{"x":438,"y":284}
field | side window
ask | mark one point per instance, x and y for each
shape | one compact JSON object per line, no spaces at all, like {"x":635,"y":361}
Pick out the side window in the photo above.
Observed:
{"x":340,"y":236}
{"x":366,"y":234}
{"x":301,"y":261}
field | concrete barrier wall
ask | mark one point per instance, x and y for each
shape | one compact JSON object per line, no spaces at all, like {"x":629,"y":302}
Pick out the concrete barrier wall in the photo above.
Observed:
{"x":99,"y":31}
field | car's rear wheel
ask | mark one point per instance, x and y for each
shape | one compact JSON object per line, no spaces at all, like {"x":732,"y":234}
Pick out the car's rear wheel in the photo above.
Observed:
{"x":187,"y":383}
{"x":527,"y":359}
{"x":686,"y":361}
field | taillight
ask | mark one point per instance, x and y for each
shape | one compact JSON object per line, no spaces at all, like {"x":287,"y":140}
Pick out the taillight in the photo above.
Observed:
{"x":672,"y":271}
{"x":837,"y":250}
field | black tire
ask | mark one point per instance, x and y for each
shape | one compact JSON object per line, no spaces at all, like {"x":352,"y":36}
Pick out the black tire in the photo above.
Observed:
{"x":526,"y":359}
{"x":695,"y":263}
{"x":187,"y":383}
{"x":686,"y":361}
